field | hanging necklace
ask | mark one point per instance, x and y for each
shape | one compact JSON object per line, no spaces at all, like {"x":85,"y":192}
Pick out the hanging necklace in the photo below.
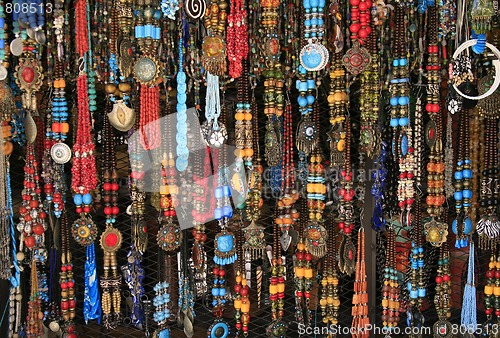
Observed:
{"x":237,"y":38}
{"x":111,"y":238}
{"x":161,"y":301}
{"x":147,"y":72}
{"x":492,"y":307}
{"x":345,"y":221}
{"x":287,"y":214}
{"x":34,"y":319}
{"x":330,"y":300}
{"x":32,"y":218}
{"x":442,"y":299}
{"x":214,"y":44}
{"x":225,"y":248}
{"x":278,"y":327}
{"x":357,"y":58}
{"x":67,"y":281}
{"x":488,"y":226}
{"x":241,"y":287}
{"x":433,"y":134}
{"x":360,"y":320}
{"x":303,"y":273}
{"x":390,"y":289}
{"x":462,"y":226}
{"x":370,"y":135}
{"x":274,"y":81}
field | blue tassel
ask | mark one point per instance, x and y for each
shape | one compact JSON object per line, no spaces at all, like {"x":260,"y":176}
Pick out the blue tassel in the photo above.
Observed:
{"x":92,"y":299}
{"x":469,"y":312}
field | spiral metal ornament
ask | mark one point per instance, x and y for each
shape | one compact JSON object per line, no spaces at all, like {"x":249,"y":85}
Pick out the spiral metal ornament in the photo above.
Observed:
{"x":195,"y":9}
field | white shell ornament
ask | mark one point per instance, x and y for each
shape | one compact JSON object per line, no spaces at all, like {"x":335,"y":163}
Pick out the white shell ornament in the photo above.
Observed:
{"x":61,"y":153}
{"x":314,"y":57}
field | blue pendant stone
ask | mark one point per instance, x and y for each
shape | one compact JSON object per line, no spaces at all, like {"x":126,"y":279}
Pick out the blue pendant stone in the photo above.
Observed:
{"x":302,"y":101}
{"x":164,"y":334}
{"x":225,"y":243}
{"x":404,"y":145}
{"x":454,"y":226}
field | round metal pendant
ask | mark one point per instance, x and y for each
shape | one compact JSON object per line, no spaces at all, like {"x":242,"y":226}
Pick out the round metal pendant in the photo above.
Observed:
{"x":442,"y":329}
{"x":146,"y":70}
{"x":356,"y":59}
{"x":169,"y":237}
{"x":314,"y":57}
{"x":219,"y":329}
{"x":277,"y":330}
{"x":84,"y":231}
{"x":40,"y":37}
{"x":61,"y":153}
{"x":435,"y":232}
{"x":111,"y":239}
{"x":16,"y":46}
{"x":213,"y":46}
{"x":3,"y":72}
{"x":272,"y":47}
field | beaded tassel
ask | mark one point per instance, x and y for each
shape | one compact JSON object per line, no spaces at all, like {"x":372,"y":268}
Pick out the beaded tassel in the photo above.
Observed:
{"x":469,"y":312}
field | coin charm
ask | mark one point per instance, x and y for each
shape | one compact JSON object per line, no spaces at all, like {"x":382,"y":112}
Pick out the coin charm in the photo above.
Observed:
{"x":146,"y":70}
{"x":61,"y":153}
{"x":3,"y":72}
{"x":16,"y":46}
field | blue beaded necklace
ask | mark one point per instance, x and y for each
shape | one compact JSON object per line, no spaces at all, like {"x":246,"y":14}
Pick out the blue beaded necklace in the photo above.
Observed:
{"x":182,"y":129}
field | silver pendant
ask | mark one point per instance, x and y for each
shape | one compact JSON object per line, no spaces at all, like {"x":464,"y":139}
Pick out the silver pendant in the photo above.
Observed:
{"x":306,"y":135}
{"x":16,"y":46}
{"x":60,"y":153}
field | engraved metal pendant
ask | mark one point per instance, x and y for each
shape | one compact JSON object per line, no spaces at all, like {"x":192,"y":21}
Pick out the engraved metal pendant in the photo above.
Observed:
{"x":29,"y":78}
{"x":307,"y":137}
{"x":147,"y":70}
{"x":84,"y":231}
{"x":272,"y":151}
{"x":336,"y":137}
{"x":169,"y":236}
{"x":225,"y":248}
{"x":314,"y":57}
{"x":442,"y":329}
{"x":316,"y":237}
{"x":254,"y":240}
{"x":356,"y":59}
{"x":214,"y":54}
{"x":435,"y":232}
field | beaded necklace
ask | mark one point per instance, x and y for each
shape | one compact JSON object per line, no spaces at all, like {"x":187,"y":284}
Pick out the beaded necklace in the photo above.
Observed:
{"x":462,"y":226}
{"x":147,"y":71}
{"x":330,"y":301}
{"x":34,"y":319}
{"x":287,"y":214}
{"x":488,"y":226}
{"x":338,"y":102}
{"x":303,"y":273}
{"x":278,"y":327}
{"x":433,"y":133}
{"x":274,"y":81}
{"x":181,"y":138}
{"x":67,"y":281}
{"x":161,"y":302}
{"x":491,"y":300}
{"x":360,"y":320}
{"x":224,"y":245}
{"x":390,"y":289}
{"x":345,"y":221}
{"x":111,"y":238}
{"x":214,"y":44}
{"x":237,"y":38}
{"x":442,"y":299}
{"x":357,"y":58}
{"x":241,"y":288}
{"x":370,"y":79}
{"x":32,"y":229}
